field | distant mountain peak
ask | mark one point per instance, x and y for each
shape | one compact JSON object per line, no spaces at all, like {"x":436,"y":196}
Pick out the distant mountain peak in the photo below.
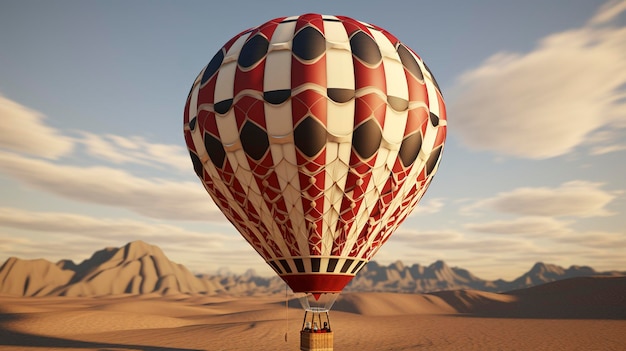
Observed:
{"x":398,"y":265}
{"x":140,"y":245}
{"x":439,"y":265}
{"x":540,"y":266}
{"x":137,"y":249}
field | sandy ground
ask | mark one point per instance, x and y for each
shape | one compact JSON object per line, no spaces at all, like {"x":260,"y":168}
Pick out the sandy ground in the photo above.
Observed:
{"x":361,"y":322}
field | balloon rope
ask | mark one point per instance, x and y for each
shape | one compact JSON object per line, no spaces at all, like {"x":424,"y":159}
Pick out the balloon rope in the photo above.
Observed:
{"x":286,"y":313}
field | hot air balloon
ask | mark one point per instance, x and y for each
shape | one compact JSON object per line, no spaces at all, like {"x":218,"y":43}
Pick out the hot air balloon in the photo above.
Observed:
{"x":316,"y":136}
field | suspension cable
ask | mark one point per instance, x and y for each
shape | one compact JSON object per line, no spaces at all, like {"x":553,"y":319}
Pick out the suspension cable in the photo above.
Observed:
{"x":286,"y":314}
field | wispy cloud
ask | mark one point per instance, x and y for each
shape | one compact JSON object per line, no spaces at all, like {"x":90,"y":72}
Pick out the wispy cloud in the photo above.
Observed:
{"x":33,"y":149}
{"x":59,"y":235}
{"x":598,"y":239}
{"x":24,"y":130}
{"x":524,"y":226}
{"x":575,"y":199}
{"x":428,"y":207}
{"x":151,"y":197}
{"x":546,"y":102}
{"x":426,"y":237}
{"x":608,"y":12}
{"x":606,"y":141}
{"x":92,"y":227}
{"x":451,"y":240}
{"x":134,"y":150}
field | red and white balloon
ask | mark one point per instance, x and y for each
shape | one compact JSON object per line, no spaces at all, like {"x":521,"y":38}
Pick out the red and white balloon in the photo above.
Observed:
{"x":316,"y":136}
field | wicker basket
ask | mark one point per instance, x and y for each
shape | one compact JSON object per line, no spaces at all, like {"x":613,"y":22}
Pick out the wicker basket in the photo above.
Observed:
{"x":316,"y":341}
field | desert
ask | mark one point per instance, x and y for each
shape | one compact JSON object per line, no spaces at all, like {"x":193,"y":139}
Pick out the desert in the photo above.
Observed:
{"x":134,"y":298}
{"x":361,"y":321}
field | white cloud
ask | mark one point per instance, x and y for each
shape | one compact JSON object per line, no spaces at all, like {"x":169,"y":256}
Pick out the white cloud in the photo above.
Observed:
{"x":429,"y":207}
{"x":598,"y":239}
{"x":58,"y":235}
{"x":24,"y":130}
{"x":575,"y":198}
{"x":605,"y":141}
{"x":152,"y":197}
{"x":426,"y":237}
{"x":137,"y":150}
{"x":601,"y":150}
{"x":527,"y":226}
{"x":98,"y":228}
{"x":546,"y":102}
{"x":608,"y":12}
{"x":452,"y":241}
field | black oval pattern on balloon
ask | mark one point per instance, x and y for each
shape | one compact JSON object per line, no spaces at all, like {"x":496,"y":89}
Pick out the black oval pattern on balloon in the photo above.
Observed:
{"x":432,"y":160}
{"x":433,"y":77}
{"x":398,"y":104}
{"x":309,"y":43}
{"x":215,"y":149}
{"x":197,"y":164}
{"x":410,"y":148}
{"x":310,"y":136}
{"x":253,"y":51}
{"x":434,"y":119}
{"x":408,"y":61}
{"x":365,"y":48}
{"x":213,"y":66}
{"x":366,"y":139}
{"x":340,"y":95}
{"x":192,"y":124}
{"x":223,"y":106}
{"x":277,"y":97}
{"x":254,"y":140}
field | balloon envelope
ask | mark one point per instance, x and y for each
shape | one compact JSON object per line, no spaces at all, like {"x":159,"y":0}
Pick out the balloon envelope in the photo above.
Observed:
{"x":316,"y":136}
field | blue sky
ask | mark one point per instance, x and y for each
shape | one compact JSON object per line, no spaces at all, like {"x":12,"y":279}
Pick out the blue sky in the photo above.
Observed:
{"x":92,"y":151}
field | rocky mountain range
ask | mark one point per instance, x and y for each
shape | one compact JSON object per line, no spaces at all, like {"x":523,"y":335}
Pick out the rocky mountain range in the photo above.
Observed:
{"x":140,"y":268}
{"x":439,"y":276}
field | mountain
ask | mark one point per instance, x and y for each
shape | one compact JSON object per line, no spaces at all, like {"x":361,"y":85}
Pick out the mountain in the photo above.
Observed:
{"x":136,"y":268}
{"x":417,"y":278}
{"x":439,"y":276}
{"x":31,"y":277}
{"x":140,"y":268}
{"x":542,"y":273}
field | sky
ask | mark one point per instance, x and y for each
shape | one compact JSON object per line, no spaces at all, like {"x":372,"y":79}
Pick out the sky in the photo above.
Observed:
{"x":92,"y":153}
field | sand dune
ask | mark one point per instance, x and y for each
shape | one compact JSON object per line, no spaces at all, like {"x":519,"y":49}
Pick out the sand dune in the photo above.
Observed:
{"x":389,"y":304}
{"x":586,"y":297}
{"x":455,"y":320}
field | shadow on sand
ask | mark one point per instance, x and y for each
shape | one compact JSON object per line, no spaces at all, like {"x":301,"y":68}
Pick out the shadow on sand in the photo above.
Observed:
{"x":14,"y":338}
{"x":11,"y":338}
